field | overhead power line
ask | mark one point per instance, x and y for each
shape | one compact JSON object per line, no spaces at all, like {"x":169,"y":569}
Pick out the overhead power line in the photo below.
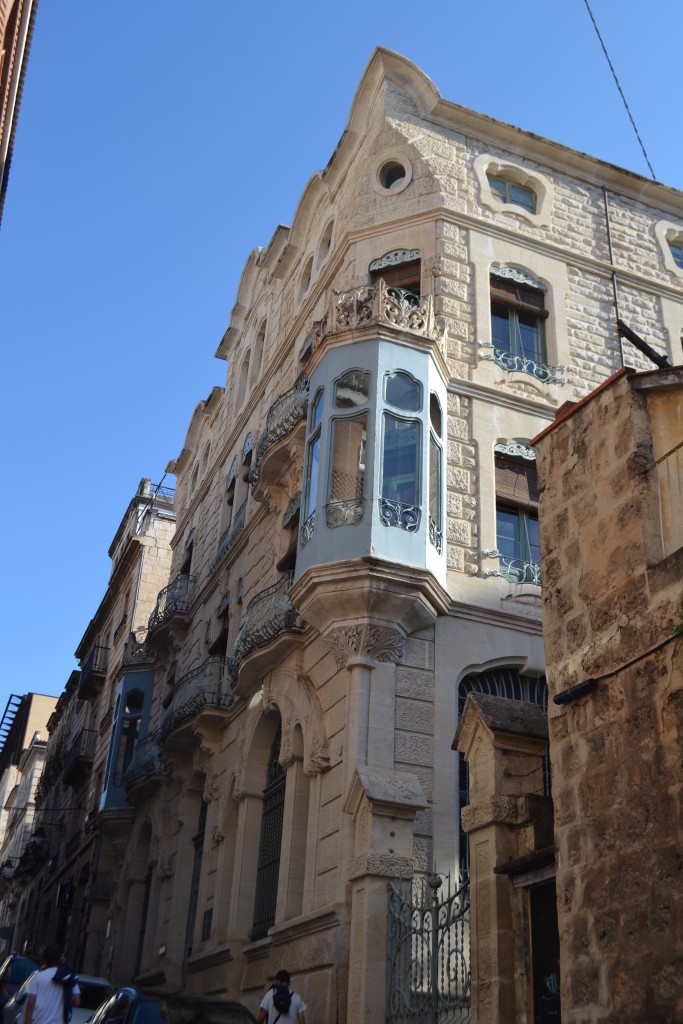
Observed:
{"x":621,"y":91}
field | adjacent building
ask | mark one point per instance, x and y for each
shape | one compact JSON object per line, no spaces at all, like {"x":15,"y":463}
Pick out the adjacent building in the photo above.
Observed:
{"x":23,"y":732}
{"x":356,"y":550}
{"x":81,"y":811}
{"x":17,"y":19}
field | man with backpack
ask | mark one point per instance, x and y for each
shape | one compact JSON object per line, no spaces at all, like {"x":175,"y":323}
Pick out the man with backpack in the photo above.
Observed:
{"x":51,"y":992}
{"x":280,"y":1005}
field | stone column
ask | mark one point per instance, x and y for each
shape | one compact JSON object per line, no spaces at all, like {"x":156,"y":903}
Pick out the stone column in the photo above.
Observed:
{"x":383,"y":805}
{"x":508,"y":819}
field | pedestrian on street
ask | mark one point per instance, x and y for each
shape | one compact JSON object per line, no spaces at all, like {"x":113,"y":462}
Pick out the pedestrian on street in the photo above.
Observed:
{"x":45,"y":1000}
{"x":280,"y":1004}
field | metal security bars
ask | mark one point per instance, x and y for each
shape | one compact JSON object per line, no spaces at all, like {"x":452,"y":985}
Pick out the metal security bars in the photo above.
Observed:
{"x":428,"y":980}
{"x":172,"y":600}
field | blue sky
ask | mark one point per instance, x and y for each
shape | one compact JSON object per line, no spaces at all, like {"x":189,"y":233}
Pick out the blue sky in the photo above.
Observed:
{"x":157,"y":144}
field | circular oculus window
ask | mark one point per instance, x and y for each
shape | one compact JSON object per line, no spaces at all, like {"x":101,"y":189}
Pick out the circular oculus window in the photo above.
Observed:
{"x":393,"y":176}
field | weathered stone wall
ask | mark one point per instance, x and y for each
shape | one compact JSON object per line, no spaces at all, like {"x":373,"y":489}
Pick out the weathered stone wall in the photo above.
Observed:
{"x":612,"y":604}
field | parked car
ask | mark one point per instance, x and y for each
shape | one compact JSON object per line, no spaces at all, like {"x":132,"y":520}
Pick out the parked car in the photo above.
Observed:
{"x":14,"y":970}
{"x":131,"y":1006}
{"x":94,"y":991}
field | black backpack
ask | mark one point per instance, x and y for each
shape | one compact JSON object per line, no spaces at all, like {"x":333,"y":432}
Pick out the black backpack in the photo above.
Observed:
{"x":282,"y":999}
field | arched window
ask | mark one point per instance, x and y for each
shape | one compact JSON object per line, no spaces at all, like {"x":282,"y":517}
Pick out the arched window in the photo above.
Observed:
{"x":259,"y":345}
{"x":502,"y":681}
{"x":270,"y":843}
{"x":242,"y":382}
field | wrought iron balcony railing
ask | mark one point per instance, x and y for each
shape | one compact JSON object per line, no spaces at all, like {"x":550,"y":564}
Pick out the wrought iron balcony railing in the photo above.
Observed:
{"x":515,"y":362}
{"x":229,"y":536}
{"x":136,"y":649}
{"x":207,"y":686}
{"x":514,"y":570}
{"x":175,"y":599}
{"x":163,"y":492}
{"x":146,"y":761}
{"x":283,"y":416}
{"x":81,"y":754}
{"x":93,"y":670}
{"x":379,"y":304}
{"x":268,"y":614}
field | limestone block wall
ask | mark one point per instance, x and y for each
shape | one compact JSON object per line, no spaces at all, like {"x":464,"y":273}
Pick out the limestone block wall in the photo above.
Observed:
{"x":612,"y":604}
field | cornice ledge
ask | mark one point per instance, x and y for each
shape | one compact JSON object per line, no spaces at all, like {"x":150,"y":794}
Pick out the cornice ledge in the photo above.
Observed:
{"x":307,"y":924}
{"x":211,"y":958}
{"x":473,"y":389}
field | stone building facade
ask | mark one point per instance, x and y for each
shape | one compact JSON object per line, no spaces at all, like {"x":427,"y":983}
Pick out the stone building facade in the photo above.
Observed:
{"x":611,"y":472}
{"x":23,"y":730}
{"x":356,"y":544}
{"x":17,"y":18}
{"x":80,"y":807}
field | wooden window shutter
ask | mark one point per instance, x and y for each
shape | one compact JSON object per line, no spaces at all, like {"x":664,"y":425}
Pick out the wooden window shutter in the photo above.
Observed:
{"x":517,"y":483}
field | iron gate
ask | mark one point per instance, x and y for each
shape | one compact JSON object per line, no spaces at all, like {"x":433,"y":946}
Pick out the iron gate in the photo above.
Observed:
{"x":429,"y":956}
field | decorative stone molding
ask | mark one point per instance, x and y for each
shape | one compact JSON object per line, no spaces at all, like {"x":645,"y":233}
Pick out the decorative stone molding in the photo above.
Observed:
{"x":395,"y":258}
{"x":217,"y":836}
{"x":519,"y":276}
{"x":377,"y":643}
{"x":667,"y":232}
{"x":516,"y":450}
{"x":539,"y":184}
{"x":433,"y":266}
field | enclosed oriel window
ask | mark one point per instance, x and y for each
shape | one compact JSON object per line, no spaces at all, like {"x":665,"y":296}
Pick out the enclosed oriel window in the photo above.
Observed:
{"x":435,"y":463}
{"x":312,"y":465}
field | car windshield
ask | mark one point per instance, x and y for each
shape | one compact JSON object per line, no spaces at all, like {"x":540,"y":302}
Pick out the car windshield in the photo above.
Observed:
{"x":93,"y":994}
{"x":169,"y":1011}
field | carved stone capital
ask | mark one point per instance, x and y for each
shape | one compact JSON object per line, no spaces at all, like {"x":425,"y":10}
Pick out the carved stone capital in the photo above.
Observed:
{"x":377,"y":643}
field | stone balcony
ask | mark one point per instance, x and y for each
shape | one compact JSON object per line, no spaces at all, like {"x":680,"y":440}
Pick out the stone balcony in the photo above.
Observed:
{"x":269,"y":615}
{"x":229,"y":537}
{"x":93,"y":672}
{"x":146,"y":769}
{"x":284,"y":415}
{"x":205,"y":691}
{"x":173,"y":604}
{"x":79,"y":760}
{"x":378,"y":305}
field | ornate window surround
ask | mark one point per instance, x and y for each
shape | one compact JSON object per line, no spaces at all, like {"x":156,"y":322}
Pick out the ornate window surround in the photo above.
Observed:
{"x":667,"y":232}
{"x":542,"y":186}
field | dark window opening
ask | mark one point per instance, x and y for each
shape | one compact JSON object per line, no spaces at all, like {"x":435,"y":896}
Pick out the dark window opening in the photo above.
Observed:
{"x":270,"y":843}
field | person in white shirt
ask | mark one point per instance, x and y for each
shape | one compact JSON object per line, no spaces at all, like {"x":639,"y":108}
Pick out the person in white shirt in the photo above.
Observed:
{"x":45,"y":998}
{"x":268,"y":1011}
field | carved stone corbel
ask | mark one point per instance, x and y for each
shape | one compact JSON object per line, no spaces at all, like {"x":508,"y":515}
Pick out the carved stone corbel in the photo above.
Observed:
{"x":376,"y":643}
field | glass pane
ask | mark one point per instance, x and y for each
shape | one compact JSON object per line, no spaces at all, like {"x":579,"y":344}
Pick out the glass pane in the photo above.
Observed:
{"x":524,"y":197}
{"x":347,"y":476}
{"x":434,"y":481}
{"x":533,"y":541}
{"x":435,"y":414}
{"x":530,"y":336}
{"x":402,"y":391}
{"x":312,"y":475}
{"x":500,"y":326}
{"x":400,"y":460}
{"x":507,"y":532}
{"x":317,"y":409}
{"x":498,"y":188}
{"x":352,"y":390}
{"x":677,"y":253}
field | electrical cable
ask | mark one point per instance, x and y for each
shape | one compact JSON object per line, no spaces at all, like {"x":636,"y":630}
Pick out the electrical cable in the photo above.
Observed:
{"x":621,"y":91}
